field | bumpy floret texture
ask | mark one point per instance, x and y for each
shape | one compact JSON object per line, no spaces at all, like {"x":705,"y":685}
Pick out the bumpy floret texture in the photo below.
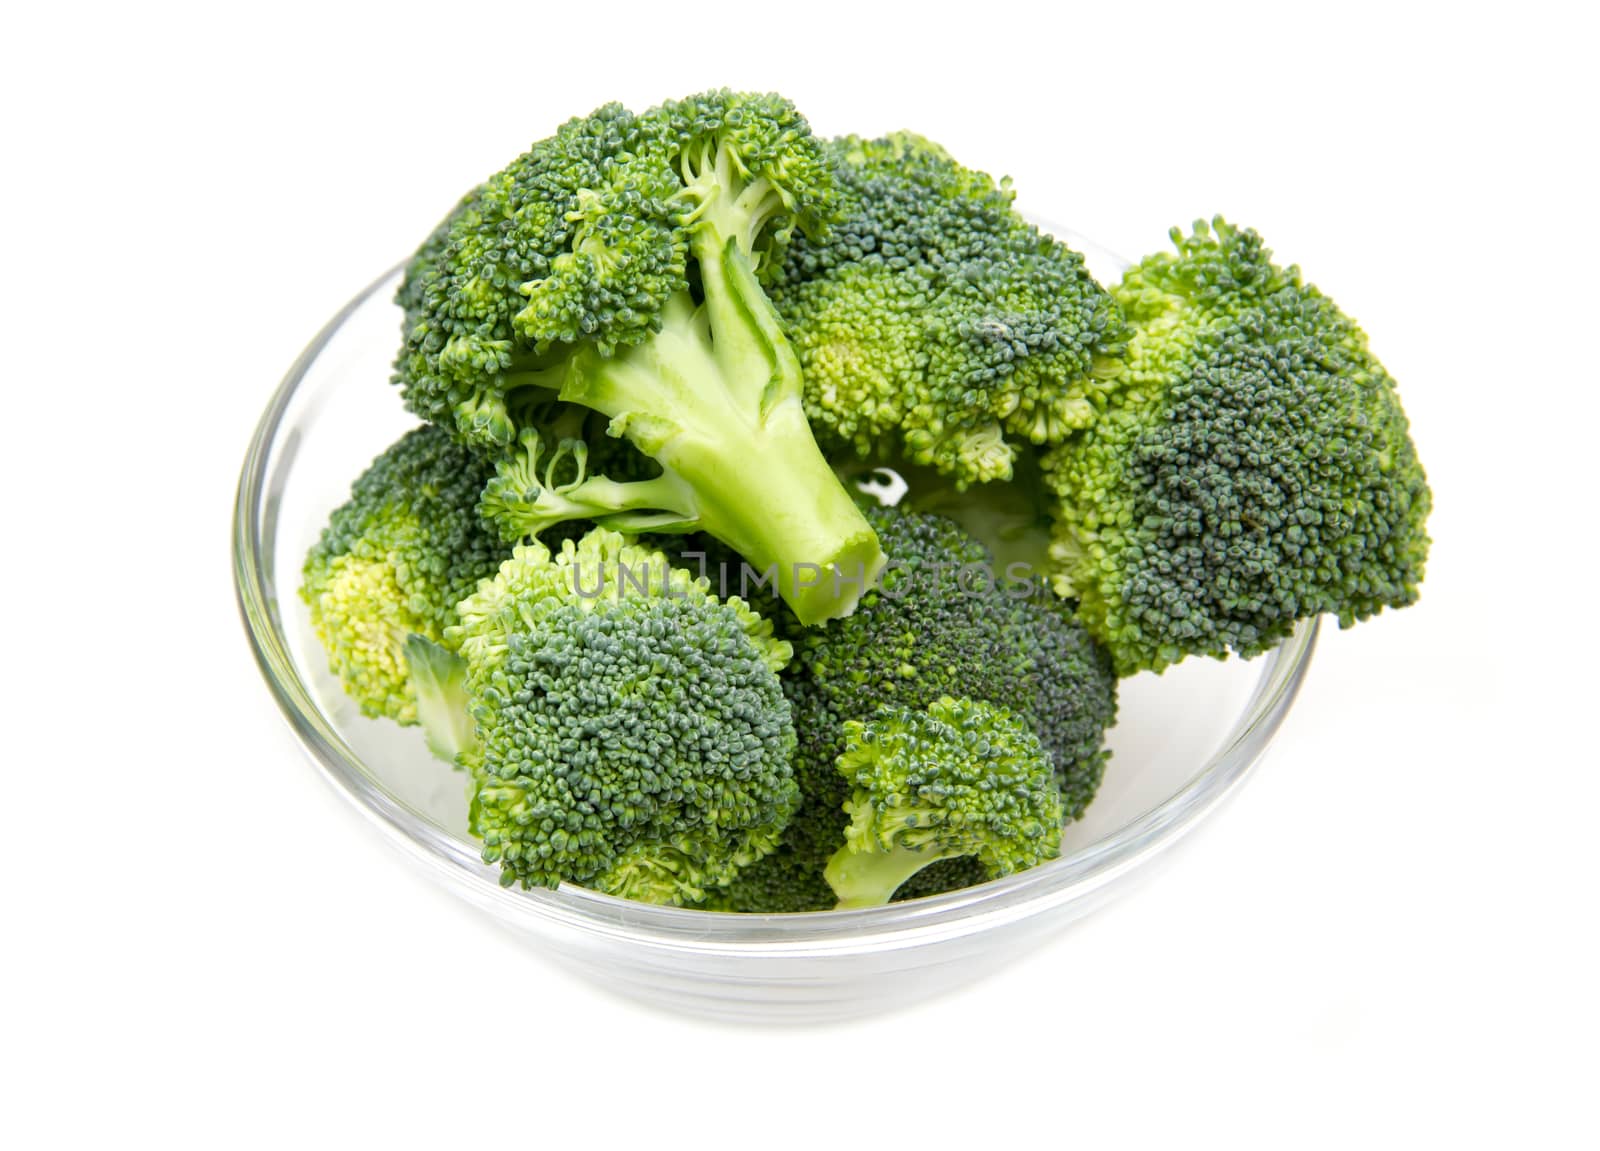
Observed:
{"x":960,"y":778}
{"x":1255,"y":467}
{"x":1068,"y":696}
{"x":617,"y":267}
{"x":939,"y":625}
{"x":632,"y":736}
{"x":595,"y":572}
{"x":935,"y":323}
{"x":582,"y":241}
{"x":539,"y":222}
{"x":1074,"y":694}
{"x":393,"y":561}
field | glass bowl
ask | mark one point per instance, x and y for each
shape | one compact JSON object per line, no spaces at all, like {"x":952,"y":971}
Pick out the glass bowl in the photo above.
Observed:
{"x":1184,"y":741}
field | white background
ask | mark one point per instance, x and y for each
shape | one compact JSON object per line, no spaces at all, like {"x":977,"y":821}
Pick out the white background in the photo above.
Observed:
{"x":1387,"y":940}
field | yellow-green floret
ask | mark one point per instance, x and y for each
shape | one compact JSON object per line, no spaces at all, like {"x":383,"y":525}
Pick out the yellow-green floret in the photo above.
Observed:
{"x":958,"y":779}
{"x":393,"y":561}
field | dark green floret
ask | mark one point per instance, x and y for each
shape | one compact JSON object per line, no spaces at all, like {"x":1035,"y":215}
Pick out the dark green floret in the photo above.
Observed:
{"x":1254,"y":469}
{"x":617,"y":266}
{"x":631,"y":735}
{"x":933,"y":322}
{"x":393,"y":562}
{"x":1069,"y":696}
{"x":940,"y":625}
{"x":958,"y":779}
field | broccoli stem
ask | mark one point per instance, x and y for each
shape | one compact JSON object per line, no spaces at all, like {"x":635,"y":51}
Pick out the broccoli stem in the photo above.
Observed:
{"x":663,"y":504}
{"x":715,"y":398}
{"x":439,"y":678}
{"x":870,"y":878}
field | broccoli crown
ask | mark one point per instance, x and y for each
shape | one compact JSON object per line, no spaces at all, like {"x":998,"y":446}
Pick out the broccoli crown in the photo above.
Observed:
{"x":1255,"y":467}
{"x":393,"y":561}
{"x":616,"y":267}
{"x":939,"y":625}
{"x":959,"y":778}
{"x":935,"y":318}
{"x":631,"y":733}
{"x":585,"y":238}
{"x":1075,"y":703}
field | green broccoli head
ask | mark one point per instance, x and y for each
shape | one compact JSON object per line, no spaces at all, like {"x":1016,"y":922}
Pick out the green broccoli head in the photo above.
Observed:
{"x":537,"y":223}
{"x":940,"y":625}
{"x":617,"y":266}
{"x":1254,"y":469}
{"x":1070,"y":697}
{"x":959,"y":779}
{"x":631,"y":733}
{"x":392,"y":563}
{"x":584,"y":241}
{"x":937,"y":323}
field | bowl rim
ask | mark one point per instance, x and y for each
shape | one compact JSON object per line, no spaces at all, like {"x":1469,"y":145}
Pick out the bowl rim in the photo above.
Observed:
{"x":1078,"y":876}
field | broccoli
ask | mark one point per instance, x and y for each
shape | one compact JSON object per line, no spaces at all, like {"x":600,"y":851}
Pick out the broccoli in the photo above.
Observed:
{"x":935,"y":323}
{"x":1076,"y":693}
{"x":631,"y":735}
{"x":699,"y":329}
{"x":1070,"y":696}
{"x":616,"y":266}
{"x":959,"y":779}
{"x":940,"y":625}
{"x":560,"y":447}
{"x":392,"y":563}
{"x":1254,"y":467}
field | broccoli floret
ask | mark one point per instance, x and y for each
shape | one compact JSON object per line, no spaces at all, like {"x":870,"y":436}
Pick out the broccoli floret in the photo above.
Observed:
{"x":1255,"y":467}
{"x":1075,"y":694}
{"x":615,"y":266}
{"x":959,"y":779}
{"x":631,"y":735}
{"x":937,"y":324}
{"x":940,"y":625}
{"x":392,"y":563}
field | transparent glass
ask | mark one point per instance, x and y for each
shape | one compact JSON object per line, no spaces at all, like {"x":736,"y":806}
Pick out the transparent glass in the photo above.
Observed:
{"x":1183,"y":742}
